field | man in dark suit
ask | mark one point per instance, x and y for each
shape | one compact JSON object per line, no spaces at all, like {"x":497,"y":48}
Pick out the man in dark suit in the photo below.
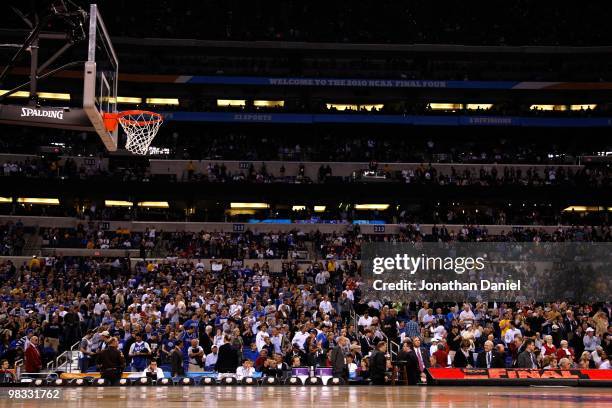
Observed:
{"x":421,"y":353}
{"x":227,"y":361}
{"x":338,"y":361}
{"x":367,"y":342}
{"x":176,"y":361}
{"x":379,"y":364}
{"x":527,"y":358}
{"x":489,"y":358}
{"x":111,"y":362}
{"x":408,"y":358}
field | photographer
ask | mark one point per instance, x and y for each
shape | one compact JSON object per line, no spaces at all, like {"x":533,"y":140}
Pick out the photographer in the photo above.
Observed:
{"x":153,"y":371}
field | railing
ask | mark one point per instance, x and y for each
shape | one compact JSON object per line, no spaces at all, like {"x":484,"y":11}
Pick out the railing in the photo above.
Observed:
{"x":67,"y":357}
{"x":386,"y":339}
{"x":18,"y":366}
{"x":34,"y":376}
{"x":394,"y":348}
{"x":354,"y":318}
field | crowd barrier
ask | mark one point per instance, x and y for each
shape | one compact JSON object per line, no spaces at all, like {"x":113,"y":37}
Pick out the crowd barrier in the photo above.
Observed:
{"x":297,"y":376}
{"x":435,"y":377}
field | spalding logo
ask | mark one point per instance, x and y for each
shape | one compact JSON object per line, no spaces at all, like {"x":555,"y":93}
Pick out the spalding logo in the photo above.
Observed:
{"x":53,"y":114}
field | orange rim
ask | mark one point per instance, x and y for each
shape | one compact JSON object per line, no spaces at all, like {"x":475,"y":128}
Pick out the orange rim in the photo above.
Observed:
{"x":111,"y":119}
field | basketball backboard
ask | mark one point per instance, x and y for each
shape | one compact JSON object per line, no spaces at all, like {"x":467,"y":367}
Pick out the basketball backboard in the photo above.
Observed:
{"x":95,"y":54}
{"x":100,"y":77}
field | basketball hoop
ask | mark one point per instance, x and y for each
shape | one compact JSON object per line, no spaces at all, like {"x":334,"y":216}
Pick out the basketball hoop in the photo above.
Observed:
{"x":140,"y":127}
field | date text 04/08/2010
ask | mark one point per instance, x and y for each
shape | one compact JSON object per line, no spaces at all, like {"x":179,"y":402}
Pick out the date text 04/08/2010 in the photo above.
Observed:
{"x":406,"y":285}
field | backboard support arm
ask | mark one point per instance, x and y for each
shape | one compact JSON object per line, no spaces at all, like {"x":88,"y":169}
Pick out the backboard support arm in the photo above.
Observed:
{"x":40,"y":78}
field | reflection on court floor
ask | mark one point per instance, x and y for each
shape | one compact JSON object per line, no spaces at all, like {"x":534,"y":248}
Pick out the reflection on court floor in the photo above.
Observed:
{"x":324,"y":397}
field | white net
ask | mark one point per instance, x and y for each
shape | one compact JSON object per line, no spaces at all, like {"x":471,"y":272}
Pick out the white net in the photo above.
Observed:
{"x":140,"y":128}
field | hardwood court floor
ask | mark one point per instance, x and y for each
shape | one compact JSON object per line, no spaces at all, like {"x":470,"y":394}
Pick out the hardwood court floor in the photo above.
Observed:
{"x":322,"y":397}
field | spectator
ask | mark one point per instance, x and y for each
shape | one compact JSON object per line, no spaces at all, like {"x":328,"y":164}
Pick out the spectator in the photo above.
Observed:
{"x":338,"y":360}
{"x":32,"y":359}
{"x":463,"y":357}
{"x":527,"y":358}
{"x":139,"y":352}
{"x":111,"y":362}
{"x":246,"y":370}
{"x":196,"y":356}
{"x":565,"y":351}
{"x":379,"y":364}
{"x":489,"y":358}
{"x":441,"y":356}
{"x":227,"y":360}
{"x":590,"y":340}
{"x":565,"y":363}
{"x":421,"y":353}
{"x":211,"y":359}
{"x":7,"y":375}
{"x":176,"y":361}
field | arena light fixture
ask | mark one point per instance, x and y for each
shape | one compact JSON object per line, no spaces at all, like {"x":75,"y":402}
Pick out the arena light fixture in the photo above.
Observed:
{"x":54,"y":96}
{"x":118,"y":203}
{"x":162,"y":101}
{"x":79,"y":382}
{"x":6,"y":200}
{"x":240,"y":212}
{"x":253,"y":206}
{"x":298,"y":208}
{"x":231,"y":102}
{"x":38,"y":200}
{"x":444,"y":106}
{"x":18,"y":94}
{"x":582,"y":208}
{"x":187,"y":381}
{"x":319,"y":208}
{"x":154,"y":204}
{"x":381,"y":207}
{"x":43,"y":95}
{"x":294,"y":381}
{"x":229,"y":381}
{"x":129,"y":99}
{"x":583,"y":107}
{"x":269,"y":104}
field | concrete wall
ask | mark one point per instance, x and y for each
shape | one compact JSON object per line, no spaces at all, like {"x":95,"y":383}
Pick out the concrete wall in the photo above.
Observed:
{"x":95,"y":162}
{"x":275,"y":264}
{"x":179,"y":167}
{"x":139,"y":226}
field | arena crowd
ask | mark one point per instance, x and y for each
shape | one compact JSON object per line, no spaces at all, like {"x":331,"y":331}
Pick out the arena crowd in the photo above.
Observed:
{"x":230,"y":318}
